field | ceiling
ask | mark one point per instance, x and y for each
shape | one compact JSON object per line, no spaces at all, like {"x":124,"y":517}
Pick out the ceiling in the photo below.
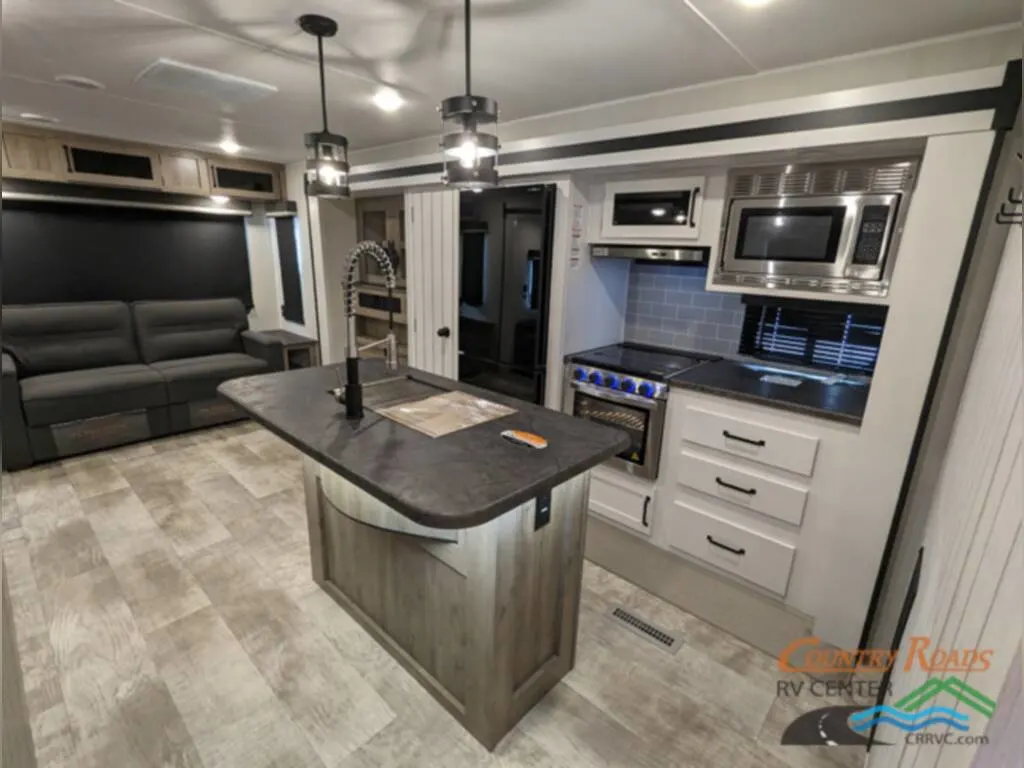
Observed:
{"x":533,"y":56}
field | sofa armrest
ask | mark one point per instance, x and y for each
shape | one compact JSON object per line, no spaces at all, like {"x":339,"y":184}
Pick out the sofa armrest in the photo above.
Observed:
{"x":14,"y":432}
{"x":265,"y":348}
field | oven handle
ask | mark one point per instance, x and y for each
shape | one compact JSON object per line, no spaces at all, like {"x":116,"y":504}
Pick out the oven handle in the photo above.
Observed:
{"x":616,"y":397}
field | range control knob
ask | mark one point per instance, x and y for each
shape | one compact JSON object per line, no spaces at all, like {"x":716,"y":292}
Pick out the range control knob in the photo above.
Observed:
{"x":595,"y":377}
{"x":646,"y":389}
{"x":627,"y":385}
{"x":579,"y":374}
{"x":611,"y":380}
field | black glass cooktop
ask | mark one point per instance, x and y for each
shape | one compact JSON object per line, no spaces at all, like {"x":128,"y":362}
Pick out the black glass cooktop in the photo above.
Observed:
{"x":654,"y":363}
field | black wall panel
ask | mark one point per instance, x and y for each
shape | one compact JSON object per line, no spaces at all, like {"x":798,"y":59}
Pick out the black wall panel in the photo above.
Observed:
{"x":63,"y":252}
{"x":288,"y":262}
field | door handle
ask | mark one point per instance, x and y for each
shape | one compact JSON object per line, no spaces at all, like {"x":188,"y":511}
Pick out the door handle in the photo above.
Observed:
{"x":747,"y":440}
{"x":643,"y":520}
{"x":730,"y":486}
{"x":693,"y":207}
{"x":726,"y":547}
{"x":445,"y":332}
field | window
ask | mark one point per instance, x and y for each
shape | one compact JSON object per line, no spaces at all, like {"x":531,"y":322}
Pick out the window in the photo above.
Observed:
{"x":826,"y":335}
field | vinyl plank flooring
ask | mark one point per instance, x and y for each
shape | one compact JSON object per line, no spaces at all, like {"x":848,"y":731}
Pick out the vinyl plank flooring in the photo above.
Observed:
{"x":54,"y":739}
{"x":184,"y":518}
{"x":66,"y":550}
{"x":578,"y":734}
{"x":229,"y":709}
{"x":94,"y":475}
{"x":335,"y":707}
{"x":120,"y":711}
{"x":178,"y":605}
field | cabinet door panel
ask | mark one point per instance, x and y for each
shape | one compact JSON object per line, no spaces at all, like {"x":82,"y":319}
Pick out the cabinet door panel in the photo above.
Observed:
{"x":32,"y":157}
{"x":184,"y":173}
{"x":622,"y":504}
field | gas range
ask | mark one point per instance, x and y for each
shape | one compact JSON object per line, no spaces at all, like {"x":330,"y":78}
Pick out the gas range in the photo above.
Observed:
{"x":626,"y":386}
{"x":633,"y":368}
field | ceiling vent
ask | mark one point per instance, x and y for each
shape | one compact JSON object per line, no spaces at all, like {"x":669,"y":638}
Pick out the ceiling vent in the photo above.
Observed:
{"x":219,"y":86}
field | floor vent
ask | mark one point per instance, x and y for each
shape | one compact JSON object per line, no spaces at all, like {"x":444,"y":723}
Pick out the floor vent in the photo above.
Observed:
{"x":664,"y":640}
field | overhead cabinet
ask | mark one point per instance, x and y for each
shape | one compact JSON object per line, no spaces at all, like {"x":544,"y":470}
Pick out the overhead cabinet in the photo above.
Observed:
{"x":91,"y":162}
{"x":654,"y":209}
{"x":245,"y":180}
{"x":184,"y":173}
{"x":32,"y":157}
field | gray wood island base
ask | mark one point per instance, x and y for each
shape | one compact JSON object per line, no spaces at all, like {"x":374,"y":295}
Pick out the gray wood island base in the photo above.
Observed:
{"x":461,"y":555}
{"x":486,"y":623}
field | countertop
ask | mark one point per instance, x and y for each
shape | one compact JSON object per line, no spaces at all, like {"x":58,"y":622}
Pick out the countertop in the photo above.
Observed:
{"x":455,"y":481}
{"x":731,"y":378}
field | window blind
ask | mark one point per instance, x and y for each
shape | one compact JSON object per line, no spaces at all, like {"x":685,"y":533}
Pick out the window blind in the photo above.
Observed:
{"x":825,"y":335}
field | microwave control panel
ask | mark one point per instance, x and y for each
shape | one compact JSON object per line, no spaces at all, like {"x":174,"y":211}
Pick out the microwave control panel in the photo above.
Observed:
{"x":874,"y":225}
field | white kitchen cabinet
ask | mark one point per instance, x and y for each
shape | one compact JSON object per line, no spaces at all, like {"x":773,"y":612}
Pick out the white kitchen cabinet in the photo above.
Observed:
{"x":666,"y":210}
{"x":749,"y":554}
{"x":784,"y":448}
{"x":622,"y":500}
{"x":755,"y":491}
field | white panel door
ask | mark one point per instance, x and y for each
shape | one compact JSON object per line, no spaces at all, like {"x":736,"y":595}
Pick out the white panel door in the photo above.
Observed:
{"x":970,"y":590}
{"x":432,"y":250}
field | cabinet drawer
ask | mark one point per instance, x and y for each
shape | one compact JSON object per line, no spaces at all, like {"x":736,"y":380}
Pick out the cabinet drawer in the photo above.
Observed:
{"x":733,"y":548}
{"x":751,"y":490}
{"x":758,"y":442}
{"x":622,"y":502}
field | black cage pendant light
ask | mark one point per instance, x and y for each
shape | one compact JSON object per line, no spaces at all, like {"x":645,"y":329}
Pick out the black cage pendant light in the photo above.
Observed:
{"x":326,"y":152}
{"x":469,"y":139}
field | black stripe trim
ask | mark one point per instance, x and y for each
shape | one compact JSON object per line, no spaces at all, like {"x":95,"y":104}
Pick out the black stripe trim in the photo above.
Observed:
{"x":1009,"y":103}
{"x":906,"y":109}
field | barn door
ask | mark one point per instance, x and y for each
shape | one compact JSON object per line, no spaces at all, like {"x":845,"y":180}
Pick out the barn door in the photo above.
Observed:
{"x":432,"y":248}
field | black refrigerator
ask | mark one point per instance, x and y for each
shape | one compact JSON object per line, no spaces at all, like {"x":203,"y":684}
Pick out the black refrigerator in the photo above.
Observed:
{"x":506,"y":238}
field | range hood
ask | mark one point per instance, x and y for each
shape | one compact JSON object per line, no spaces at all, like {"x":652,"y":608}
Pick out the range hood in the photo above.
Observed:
{"x":689,"y":255}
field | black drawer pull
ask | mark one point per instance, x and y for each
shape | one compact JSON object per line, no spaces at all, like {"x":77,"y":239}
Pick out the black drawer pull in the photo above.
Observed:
{"x":741,"y":551}
{"x":747,"y":440}
{"x":730,"y":486}
{"x":647,"y":503}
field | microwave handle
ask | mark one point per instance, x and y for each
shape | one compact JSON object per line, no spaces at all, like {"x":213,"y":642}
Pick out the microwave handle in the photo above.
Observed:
{"x":693,"y":207}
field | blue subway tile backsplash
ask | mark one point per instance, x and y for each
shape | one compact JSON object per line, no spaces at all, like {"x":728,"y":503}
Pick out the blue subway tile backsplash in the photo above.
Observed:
{"x":668,"y":306}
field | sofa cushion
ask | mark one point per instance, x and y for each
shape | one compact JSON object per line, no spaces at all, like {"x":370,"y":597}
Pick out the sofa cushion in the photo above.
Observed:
{"x":196,"y":378}
{"x":55,"y":398}
{"x":171,"y":330}
{"x":50,"y":338}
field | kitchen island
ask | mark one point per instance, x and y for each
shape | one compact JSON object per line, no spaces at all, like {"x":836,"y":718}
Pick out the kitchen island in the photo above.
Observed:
{"x":461,"y":554}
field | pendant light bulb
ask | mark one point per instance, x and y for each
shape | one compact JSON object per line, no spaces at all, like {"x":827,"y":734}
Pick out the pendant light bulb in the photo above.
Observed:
{"x":326,"y":152}
{"x":469,"y":141}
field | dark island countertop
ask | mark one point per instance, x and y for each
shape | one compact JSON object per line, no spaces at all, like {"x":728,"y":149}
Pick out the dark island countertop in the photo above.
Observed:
{"x":732,"y":378}
{"x":459,"y":480}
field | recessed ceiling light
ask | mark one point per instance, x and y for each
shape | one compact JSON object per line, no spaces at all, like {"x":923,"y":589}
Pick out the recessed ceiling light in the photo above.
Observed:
{"x":37,"y":118}
{"x":658,"y":212}
{"x":220,"y":199}
{"x":680,"y":218}
{"x":388,"y":99}
{"x":76,"y":81}
{"x":230,"y":146}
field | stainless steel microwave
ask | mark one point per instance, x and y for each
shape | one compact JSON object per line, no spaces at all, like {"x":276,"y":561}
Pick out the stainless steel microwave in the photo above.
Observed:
{"x":832,"y":228}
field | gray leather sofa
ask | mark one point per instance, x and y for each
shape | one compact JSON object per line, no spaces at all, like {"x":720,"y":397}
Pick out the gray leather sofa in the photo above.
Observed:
{"x":80,"y":377}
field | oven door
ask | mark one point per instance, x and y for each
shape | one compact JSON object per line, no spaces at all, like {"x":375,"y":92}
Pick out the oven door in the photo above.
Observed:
{"x":639,"y":417}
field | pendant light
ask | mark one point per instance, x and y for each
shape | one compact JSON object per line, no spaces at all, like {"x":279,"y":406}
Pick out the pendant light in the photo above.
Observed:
{"x":326,"y":152}
{"x":469,"y":140}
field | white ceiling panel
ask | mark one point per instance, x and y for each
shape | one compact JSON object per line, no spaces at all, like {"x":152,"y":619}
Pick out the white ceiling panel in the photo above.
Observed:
{"x":788,"y":32}
{"x":533,"y":56}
